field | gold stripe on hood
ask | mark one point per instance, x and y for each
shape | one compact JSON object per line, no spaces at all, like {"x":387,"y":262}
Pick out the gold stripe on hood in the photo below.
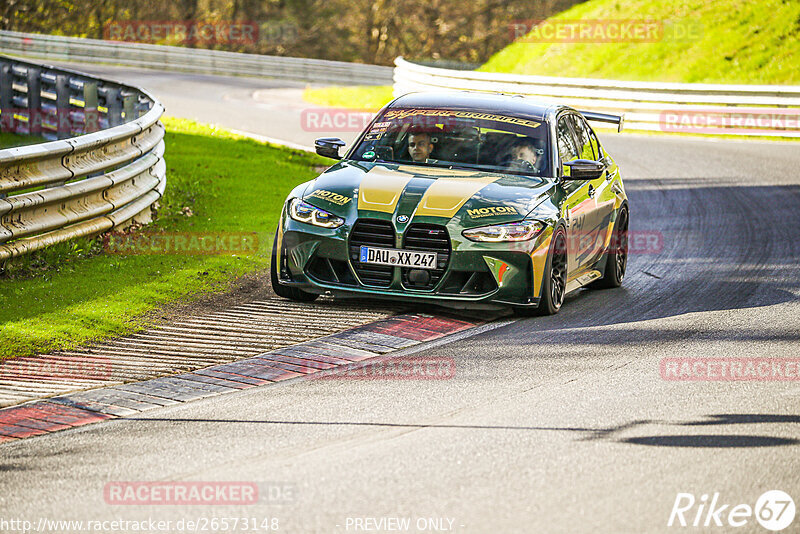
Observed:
{"x":381,"y":189}
{"x":446,"y":195}
{"x":436,"y":172}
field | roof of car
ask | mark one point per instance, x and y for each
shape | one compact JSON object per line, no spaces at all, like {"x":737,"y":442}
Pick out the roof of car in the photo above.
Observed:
{"x":513,"y":105}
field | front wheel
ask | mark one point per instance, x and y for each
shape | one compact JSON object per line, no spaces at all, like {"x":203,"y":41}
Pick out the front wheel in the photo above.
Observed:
{"x":287,"y":292}
{"x":554,"y":283}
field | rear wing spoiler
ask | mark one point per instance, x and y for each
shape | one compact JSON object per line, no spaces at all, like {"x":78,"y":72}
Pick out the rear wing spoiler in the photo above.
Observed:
{"x":604,"y":117}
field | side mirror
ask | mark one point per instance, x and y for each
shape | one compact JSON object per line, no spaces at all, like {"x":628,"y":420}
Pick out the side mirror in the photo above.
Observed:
{"x":583,"y":169}
{"x":329,"y":147}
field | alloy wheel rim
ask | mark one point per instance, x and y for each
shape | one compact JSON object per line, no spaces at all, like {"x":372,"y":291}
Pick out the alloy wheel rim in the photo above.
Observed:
{"x":622,"y":246}
{"x":558,"y":273}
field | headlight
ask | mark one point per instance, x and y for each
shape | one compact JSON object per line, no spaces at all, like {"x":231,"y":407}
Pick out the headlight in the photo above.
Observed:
{"x":306,"y":213}
{"x":503,"y":233}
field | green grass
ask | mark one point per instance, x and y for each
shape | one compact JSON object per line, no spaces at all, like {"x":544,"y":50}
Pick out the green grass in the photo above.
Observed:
{"x":75,"y":292}
{"x":367,"y":97}
{"x":740,"y":41}
{"x":9,"y":140}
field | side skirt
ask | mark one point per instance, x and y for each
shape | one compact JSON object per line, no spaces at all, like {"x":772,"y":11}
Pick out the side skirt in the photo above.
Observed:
{"x":583,"y":280}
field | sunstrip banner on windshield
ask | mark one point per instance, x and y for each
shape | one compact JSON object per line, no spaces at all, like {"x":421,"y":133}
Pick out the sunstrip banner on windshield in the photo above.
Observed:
{"x":399,"y":114}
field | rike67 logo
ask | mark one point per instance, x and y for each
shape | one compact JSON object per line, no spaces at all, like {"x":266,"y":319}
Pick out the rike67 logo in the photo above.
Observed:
{"x":774,"y":510}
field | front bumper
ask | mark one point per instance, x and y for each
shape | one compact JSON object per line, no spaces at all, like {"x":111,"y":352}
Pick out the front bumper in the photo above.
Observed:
{"x":478,"y":275}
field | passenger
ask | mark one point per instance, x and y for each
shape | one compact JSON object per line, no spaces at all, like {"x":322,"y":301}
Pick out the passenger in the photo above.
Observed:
{"x":524,"y":151}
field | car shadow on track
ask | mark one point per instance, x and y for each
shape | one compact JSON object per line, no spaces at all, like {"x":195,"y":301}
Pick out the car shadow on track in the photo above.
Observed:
{"x":703,"y":440}
{"x":719,"y":248}
{"x":720,"y":440}
{"x":711,"y":441}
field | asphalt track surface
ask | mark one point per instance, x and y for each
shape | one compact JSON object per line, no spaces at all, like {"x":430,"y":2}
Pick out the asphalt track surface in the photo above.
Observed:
{"x":558,"y":424}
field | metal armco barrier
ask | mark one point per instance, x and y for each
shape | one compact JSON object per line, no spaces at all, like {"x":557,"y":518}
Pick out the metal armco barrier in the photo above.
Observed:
{"x":760,"y":110}
{"x":108,"y":176}
{"x":198,"y":60}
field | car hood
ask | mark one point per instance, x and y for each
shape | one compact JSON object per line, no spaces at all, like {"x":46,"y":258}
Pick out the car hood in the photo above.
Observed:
{"x":425,"y":194}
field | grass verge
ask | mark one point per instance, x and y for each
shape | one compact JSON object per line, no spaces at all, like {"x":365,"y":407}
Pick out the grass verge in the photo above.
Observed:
{"x":726,"y":41}
{"x":366,"y":97}
{"x":10,"y":140}
{"x":78,"y":291}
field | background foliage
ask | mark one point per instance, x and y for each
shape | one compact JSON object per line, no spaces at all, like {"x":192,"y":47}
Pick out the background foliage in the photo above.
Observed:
{"x":368,"y":31}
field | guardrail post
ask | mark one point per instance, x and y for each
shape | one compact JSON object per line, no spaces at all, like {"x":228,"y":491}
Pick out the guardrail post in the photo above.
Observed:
{"x":5,"y":102}
{"x":20,"y":99}
{"x":34,"y":101}
{"x":63,"y":120}
{"x":6,"y":92}
{"x":91,"y":117}
{"x":142,"y":106}
{"x":129,"y":106}
{"x":111,"y":100}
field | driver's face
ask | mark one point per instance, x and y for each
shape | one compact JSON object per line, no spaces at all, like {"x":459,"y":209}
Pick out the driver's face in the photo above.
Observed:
{"x":419,"y":147}
{"x":524,"y":153}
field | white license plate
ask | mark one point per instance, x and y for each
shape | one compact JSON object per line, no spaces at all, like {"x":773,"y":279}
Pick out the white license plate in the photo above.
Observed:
{"x":398,"y":258}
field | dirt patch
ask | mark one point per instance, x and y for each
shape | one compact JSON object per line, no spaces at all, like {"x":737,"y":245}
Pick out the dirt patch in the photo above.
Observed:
{"x":252,"y":286}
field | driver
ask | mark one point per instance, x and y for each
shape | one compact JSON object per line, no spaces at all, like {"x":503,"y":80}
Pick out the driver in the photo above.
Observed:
{"x":420,"y":146}
{"x":524,"y":154}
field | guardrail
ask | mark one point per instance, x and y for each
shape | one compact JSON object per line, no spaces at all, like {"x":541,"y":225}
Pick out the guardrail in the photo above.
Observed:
{"x":197,"y":60}
{"x":72,"y":187}
{"x":761,"y":110}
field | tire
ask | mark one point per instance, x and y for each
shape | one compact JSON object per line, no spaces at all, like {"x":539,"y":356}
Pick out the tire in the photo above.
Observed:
{"x":287,"y":292}
{"x":554,"y":283}
{"x":616,"y":256}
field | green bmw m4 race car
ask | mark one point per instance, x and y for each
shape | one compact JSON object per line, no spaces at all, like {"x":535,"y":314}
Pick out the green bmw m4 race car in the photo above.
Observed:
{"x":466,"y":200}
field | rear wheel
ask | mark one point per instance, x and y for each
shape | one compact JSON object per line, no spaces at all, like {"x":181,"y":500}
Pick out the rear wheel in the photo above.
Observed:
{"x":554,"y":283}
{"x":287,"y":292}
{"x":616,"y":255}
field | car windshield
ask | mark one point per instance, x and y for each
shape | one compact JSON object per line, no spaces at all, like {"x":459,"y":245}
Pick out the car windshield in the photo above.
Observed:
{"x":457,"y":138}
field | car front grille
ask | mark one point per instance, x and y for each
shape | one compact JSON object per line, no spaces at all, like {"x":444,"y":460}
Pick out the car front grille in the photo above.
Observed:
{"x":373,"y":233}
{"x":428,"y":238}
{"x":378,"y":233}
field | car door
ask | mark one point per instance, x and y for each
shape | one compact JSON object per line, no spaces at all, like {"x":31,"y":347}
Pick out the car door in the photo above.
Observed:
{"x":597,"y":226}
{"x":579,"y":206}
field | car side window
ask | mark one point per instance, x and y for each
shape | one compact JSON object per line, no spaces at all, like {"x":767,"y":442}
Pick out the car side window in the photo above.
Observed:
{"x":568,"y":151}
{"x":567,"y":148}
{"x":598,"y":150}
{"x":585,"y":148}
